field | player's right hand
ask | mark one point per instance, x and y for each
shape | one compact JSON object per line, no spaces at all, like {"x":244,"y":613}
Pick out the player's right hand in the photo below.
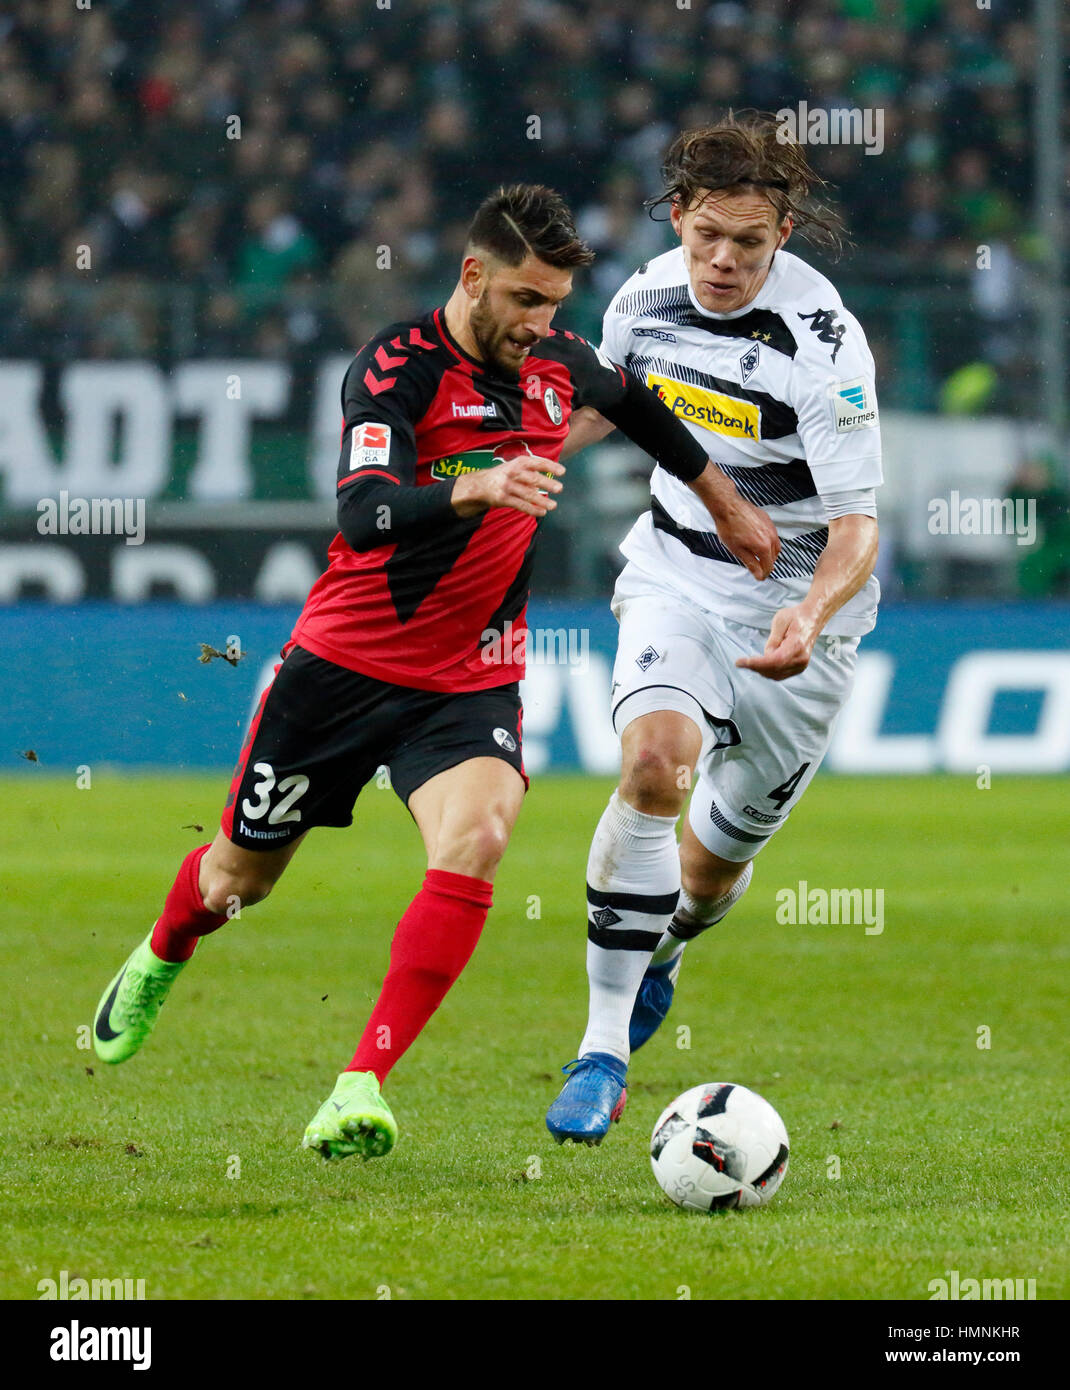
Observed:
{"x":521,"y":483}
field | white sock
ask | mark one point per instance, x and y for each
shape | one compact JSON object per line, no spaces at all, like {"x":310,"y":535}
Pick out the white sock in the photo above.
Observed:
{"x":633,"y":886}
{"x":694,"y":915}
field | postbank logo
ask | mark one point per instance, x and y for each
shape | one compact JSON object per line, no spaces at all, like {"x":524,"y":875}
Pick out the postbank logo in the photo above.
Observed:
{"x":710,"y":409}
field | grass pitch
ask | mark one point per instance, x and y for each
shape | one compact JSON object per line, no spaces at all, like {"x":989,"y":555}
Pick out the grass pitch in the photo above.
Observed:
{"x":921,"y":1143}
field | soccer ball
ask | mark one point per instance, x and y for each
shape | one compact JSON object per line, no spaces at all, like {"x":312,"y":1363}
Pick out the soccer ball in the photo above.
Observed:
{"x":719,"y":1145}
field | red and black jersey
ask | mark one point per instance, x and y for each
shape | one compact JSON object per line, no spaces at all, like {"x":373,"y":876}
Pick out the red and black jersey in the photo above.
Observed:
{"x":421,"y":593}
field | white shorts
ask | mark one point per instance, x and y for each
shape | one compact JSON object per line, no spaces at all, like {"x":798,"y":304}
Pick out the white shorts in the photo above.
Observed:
{"x":763,"y":740}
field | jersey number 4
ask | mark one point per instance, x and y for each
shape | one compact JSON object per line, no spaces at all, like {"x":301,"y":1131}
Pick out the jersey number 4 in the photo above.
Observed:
{"x":786,"y":790}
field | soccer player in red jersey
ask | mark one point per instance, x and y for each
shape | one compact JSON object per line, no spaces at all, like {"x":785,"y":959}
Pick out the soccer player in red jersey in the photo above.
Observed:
{"x":452,"y":427}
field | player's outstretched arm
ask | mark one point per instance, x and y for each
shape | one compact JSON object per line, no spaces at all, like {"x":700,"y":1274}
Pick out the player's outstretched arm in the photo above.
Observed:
{"x":742,"y":528}
{"x":585,"y":427}
{"x":521,"y":483}
{"x":846,"y":563}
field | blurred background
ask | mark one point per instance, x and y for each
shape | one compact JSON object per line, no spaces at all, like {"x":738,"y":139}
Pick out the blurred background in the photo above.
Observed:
{"x":206,"y":209}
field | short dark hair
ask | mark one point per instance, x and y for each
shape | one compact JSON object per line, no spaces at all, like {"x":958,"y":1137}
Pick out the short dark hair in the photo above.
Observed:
{"x":528,"y":218}
{"x":749,"y":149}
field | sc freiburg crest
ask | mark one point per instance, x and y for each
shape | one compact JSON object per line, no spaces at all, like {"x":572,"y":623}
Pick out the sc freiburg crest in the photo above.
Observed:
{"x":553,"y":405}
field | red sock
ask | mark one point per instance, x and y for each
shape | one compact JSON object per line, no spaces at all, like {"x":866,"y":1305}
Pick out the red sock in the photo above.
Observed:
{"x":431,"y":947}
{"x":184,"y":919}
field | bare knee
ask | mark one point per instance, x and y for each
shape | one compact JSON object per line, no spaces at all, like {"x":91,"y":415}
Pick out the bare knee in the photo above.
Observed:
{"x":228,"y":889}
{"x":474,"y":849}
{"x":659,"y":752}
{"x":655,"y":778}
{"x":231,"y":878}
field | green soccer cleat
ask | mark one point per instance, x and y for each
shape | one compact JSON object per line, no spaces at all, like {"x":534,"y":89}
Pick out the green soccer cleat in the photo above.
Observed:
{"x":127,"y":1013}
{"x":355,"y":1119}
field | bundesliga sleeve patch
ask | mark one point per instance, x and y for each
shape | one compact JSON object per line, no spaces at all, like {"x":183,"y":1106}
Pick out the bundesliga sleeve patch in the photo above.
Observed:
{"x":370,"y":447}
{"x":853,"y":405}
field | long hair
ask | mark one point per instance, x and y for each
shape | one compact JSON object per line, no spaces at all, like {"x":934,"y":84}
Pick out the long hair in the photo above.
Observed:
{"x":752,"y":150}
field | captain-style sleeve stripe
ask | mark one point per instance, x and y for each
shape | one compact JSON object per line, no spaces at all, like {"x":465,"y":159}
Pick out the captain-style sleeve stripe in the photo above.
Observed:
{"x":368,"y":473}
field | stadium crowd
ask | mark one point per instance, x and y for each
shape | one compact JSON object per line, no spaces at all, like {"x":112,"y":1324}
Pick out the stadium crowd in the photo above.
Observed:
{"x":237,"y":167}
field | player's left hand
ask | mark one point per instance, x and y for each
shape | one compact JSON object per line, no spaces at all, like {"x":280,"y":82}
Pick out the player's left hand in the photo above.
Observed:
{"x":791,"y":642}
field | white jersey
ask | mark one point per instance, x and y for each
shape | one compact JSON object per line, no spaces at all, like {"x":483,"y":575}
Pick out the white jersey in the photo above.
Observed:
{"x":780,"y":394}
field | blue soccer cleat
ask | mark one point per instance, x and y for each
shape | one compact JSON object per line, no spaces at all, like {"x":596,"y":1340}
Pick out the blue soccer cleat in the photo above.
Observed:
{"x":653,"y":1001}
{"x":591,"y":1099}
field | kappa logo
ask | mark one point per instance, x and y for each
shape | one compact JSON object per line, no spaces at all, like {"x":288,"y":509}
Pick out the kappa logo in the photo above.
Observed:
{"x":659,"y":333}
{"x":646,"y":659}
{"x":370,"y":447}
{"x":748,"y":364}
{"x":853,"y":407}
{"x":823,"y":323}
{"x":504,"y":739}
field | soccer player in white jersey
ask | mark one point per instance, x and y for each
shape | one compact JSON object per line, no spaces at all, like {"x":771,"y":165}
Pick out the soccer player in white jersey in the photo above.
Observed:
{"x":722,"y":669}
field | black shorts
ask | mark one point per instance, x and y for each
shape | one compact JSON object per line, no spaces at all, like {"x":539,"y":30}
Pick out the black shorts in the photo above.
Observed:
{"x":321,"y":732}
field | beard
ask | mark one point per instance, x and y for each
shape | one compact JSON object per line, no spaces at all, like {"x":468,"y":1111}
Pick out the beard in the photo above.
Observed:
{"x":490,"y":339}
